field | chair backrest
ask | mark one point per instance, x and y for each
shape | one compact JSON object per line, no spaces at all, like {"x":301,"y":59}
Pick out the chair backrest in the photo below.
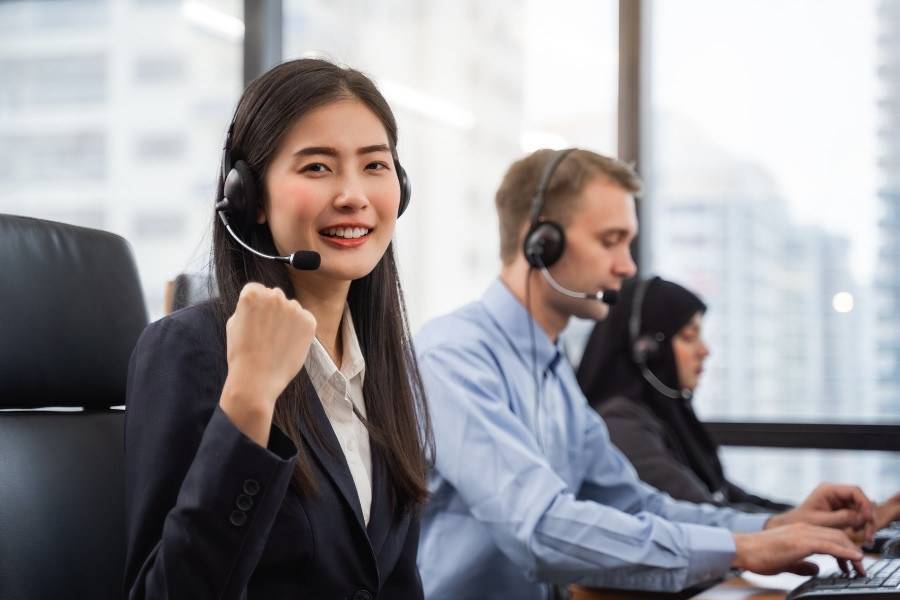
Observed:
{"x":71,"y":310}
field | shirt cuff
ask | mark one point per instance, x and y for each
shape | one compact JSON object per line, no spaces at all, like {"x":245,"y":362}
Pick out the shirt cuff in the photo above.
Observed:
{"x":712,"y":552}
{"x":750,"y":522}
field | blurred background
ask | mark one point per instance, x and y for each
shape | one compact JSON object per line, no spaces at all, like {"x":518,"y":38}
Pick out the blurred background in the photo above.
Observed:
{"x":767,"y":133}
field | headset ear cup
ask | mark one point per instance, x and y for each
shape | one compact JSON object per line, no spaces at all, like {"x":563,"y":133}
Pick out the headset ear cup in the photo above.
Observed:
{"x":405,"y":188}
{"x":544,"y":244}
{"x":240,"y":191}
{"x":644,"y":350}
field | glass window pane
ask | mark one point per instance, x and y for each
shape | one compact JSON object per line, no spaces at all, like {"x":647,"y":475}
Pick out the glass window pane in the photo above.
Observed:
{"x":112,"y":115}
{"x":474,"y":86}
{"x":764,"y":198}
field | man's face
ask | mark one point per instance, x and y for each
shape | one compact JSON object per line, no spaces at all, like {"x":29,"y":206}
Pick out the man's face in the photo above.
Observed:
{"x":597,"y":254}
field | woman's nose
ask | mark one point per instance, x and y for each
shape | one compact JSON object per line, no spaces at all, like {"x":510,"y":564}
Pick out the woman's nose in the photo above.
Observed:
{"x":351,"y":194}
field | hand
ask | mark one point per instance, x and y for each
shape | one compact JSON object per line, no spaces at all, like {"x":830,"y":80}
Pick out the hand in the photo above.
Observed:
{"x":785,"y":548}
{"x":267,"y":338}
{"x":830,"y":505}
{"x":887,"y":512}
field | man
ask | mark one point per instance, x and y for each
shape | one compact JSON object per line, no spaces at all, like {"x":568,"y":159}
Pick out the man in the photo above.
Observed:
{"x":527,"y":489}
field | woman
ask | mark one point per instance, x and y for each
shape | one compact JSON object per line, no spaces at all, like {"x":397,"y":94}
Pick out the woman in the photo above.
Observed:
{"x":639,"y":370}
{"x":276,"y":435}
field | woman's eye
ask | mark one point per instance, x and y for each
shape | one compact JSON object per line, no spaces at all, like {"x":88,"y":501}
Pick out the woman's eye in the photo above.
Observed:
{"x":314,"y":167}
{"x":376,"y":166}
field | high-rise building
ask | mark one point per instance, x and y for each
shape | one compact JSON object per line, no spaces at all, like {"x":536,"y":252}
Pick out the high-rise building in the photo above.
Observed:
{"x":111,"y":116}
{"x":887,"y":279}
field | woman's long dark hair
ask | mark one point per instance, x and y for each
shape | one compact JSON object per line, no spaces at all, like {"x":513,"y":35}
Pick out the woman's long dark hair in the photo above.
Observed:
{"x":397,"y":417}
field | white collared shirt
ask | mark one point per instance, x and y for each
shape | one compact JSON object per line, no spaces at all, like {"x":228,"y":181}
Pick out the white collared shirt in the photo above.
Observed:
{"x":340,"y":391}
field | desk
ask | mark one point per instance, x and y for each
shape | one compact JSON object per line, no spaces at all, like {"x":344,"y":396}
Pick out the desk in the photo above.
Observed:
{"x":736,"y":588}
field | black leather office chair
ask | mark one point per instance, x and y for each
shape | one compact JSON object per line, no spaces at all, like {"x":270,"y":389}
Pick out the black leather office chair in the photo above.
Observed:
{"x":71,"y":310}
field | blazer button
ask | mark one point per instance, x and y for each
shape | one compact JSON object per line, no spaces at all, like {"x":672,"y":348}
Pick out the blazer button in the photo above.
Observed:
{"x":244,"y":502}
{"x":251,"y":487}
{"x":362,"y":595}
{"x":238,"y":518}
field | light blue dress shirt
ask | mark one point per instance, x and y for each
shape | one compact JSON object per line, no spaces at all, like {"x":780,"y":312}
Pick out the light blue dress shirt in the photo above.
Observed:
{"x":527,"y":487}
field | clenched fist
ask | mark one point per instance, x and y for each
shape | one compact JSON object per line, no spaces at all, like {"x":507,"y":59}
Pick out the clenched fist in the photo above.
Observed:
{"x":268,"y":338}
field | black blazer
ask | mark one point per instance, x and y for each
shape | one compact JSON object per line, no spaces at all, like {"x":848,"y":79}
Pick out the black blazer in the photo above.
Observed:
{"x":210,"y":513}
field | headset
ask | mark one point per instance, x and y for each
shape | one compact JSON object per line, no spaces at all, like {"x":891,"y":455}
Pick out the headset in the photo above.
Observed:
{"x":545,"y":241}
{"x":240,"y":202}
{"x":646,"y":348}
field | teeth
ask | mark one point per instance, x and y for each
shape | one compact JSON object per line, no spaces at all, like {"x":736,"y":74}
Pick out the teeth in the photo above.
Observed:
{"x":347,"y":232}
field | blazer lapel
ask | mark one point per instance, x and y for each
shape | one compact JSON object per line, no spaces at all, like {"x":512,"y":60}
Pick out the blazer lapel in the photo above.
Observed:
{"x":381,"y":515}
{"x":333,"y":463}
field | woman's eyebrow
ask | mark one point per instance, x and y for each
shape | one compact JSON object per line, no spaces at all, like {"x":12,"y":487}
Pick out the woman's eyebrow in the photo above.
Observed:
{"x":328,"y":151}
{"x":374,"y":149}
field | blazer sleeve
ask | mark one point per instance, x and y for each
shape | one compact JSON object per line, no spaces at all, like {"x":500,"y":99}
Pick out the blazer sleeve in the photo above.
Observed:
{"x":638,"y":434}
{"x":200,"y":496}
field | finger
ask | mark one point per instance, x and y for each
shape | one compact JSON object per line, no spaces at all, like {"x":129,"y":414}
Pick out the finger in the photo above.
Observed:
{"x":859,"y":567}
{"x":869,"y":531}
{"x":804,"y":567}
{"x":844,"y":566}
{"x":851,"y":496}
{"x":844,"y":517}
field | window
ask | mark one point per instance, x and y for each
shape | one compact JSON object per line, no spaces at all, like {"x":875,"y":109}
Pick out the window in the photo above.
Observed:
{"x":98,"y":128}
{"x":772,"y":194}
{"x":474,"y":85}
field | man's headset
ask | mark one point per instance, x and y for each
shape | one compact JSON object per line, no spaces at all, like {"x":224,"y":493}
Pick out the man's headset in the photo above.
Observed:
{"x":240,"y":202}
{"x":646,"y":348}
{"x":545,"y":241}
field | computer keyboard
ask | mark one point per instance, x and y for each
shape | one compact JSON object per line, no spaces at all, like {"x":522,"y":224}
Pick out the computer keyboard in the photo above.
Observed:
{"x":883,"y":535}
{"x":882,"y":581}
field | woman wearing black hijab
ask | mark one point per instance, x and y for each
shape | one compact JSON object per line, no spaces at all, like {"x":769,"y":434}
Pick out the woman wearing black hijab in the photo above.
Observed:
{"x":639,"y":370}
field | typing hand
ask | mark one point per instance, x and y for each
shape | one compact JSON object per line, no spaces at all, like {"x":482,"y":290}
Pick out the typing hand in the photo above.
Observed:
{"x":831,"y":505}
{"x":268,"y":338}
{"x":785,"y":548}
{"x":887,"y":512}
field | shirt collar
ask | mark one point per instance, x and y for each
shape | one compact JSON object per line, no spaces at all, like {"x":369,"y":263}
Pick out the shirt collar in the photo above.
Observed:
{"x":352,"y":362}
{"x":517,"y":326}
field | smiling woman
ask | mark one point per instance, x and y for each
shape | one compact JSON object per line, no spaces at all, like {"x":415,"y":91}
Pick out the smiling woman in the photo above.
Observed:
{"x":276,"y":434}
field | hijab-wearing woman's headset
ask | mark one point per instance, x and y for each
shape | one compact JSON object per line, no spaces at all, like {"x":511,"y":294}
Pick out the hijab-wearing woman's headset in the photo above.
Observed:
{"x":646,"y":348}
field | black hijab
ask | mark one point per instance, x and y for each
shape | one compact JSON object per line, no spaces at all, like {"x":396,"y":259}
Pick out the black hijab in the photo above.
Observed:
{"x":608,"y":369}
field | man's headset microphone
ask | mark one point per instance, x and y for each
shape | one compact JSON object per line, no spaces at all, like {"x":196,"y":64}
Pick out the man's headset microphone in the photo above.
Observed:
{"x":240,"y":203}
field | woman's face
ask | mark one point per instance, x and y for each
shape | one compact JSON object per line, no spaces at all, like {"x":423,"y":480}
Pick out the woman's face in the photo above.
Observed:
{"x":690,"y":352}
{"x":331,"y":187}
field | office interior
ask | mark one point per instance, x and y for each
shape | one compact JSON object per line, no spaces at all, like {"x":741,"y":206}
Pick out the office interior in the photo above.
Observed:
{"x":765,"y":132}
